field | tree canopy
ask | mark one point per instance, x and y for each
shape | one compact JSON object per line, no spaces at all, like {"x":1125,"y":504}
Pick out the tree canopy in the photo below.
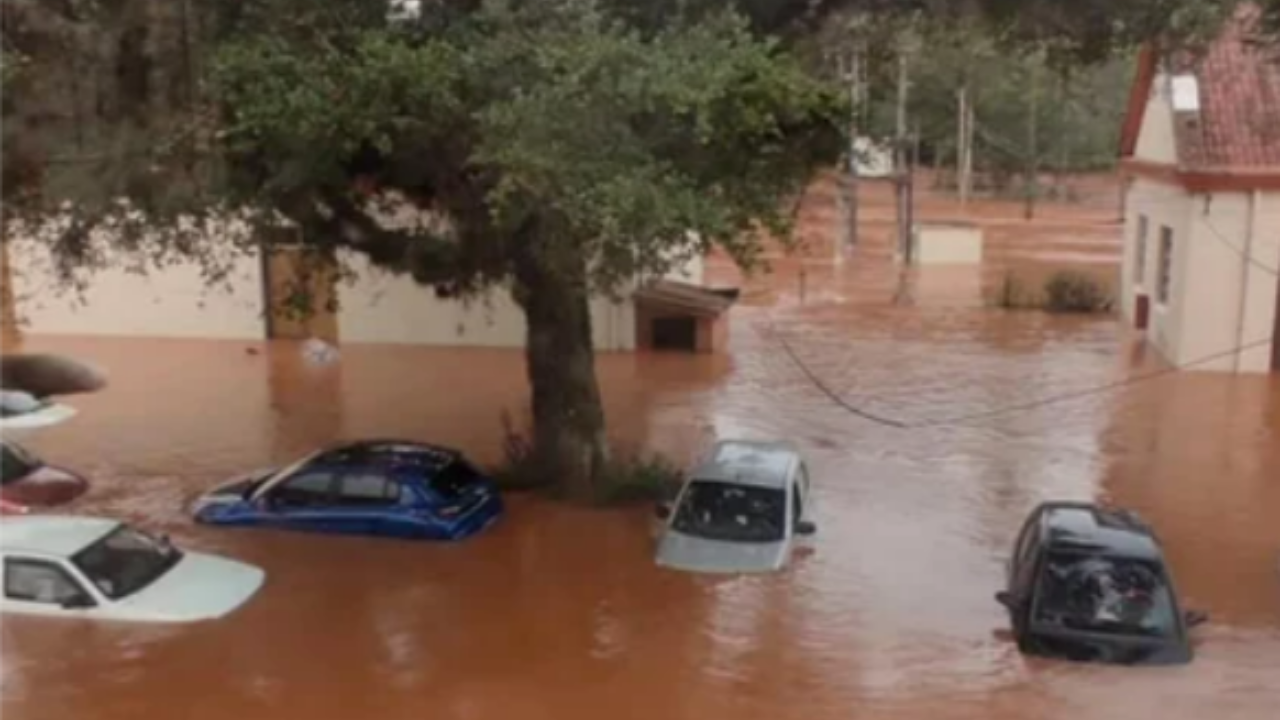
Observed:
{"x":558,"y":147}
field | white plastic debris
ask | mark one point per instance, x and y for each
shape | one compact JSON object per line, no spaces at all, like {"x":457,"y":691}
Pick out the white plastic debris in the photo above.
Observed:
{"x":319,"y":352}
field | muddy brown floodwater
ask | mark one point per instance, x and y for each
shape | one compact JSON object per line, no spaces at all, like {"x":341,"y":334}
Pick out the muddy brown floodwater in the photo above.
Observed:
{"x":558,"y":612}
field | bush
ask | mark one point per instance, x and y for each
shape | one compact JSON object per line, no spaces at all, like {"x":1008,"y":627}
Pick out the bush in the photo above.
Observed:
{"x":629,"y":478}
{"x":1065,"y":291}
{"x":1013,"y":294}
{"x":1075,"y":292}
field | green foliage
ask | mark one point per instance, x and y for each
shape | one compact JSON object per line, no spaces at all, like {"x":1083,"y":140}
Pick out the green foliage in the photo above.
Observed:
{"x":551,"y":113}
{"x":1065,"y":291}
{"x":1079,"y":113}
{"x":1075,"y":292}
{"x":628,"y":478}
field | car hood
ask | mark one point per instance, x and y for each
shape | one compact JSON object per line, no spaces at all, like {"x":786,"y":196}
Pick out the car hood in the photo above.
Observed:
{"x":685,"y":552}
{"x":230,"y":491}
{"x":1082,"y":647}
{"x":199,"y":587}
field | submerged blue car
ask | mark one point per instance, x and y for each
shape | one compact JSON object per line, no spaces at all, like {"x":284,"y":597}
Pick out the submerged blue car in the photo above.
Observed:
{"x":389,"y":488}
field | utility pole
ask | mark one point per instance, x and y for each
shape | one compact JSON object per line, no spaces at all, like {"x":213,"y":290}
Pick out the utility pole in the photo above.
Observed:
{"x":964,"y":144}
{"x":900,"y":155}
{"x":1033,"y":152}
{"x":852,"y":73}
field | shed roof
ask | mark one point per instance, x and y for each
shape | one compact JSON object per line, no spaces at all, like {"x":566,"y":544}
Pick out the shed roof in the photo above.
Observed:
{"x":687,"y":297}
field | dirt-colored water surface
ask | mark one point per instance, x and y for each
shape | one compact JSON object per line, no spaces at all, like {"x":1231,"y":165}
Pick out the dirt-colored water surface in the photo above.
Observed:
{"x":558,"y":612}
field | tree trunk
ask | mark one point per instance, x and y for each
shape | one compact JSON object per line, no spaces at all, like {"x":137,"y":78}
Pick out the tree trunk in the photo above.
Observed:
{"x":569,"y":446}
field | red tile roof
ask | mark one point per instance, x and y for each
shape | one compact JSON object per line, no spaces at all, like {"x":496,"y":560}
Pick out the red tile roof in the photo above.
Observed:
{"x":1238,"y":122}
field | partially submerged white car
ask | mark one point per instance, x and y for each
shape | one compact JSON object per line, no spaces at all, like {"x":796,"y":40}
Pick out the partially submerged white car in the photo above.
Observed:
{"x":104,"y":569}
{"x":744,"y":509}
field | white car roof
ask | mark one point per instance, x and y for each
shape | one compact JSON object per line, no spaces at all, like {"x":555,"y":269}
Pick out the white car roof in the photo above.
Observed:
{"x":749,"y":462}
{"x":57,"y":535}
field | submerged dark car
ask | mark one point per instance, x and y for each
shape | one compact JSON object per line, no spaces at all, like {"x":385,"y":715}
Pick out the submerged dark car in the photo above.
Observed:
{"x":1091,"y":584}
{"x":26,"y":480}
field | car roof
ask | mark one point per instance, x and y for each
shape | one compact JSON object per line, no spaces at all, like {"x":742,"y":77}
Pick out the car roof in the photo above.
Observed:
{"x":749,"y":462}
{"x":421,"y":456}
{"x":1087,"y":527}
{"x":59,"y":535}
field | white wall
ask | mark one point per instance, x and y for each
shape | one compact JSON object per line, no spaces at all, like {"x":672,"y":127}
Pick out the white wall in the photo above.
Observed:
{"x":384,"y":308}
{"x":1167,"y":205}
{"x":1156,"y":141}
{"x":173,"y":302}
{"x":1219,"y":277}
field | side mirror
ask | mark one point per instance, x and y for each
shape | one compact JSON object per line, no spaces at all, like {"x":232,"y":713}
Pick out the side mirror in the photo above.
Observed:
{"x":78,"y":602}
{"x":1007,"y":599}
{"x":805,"y":527}
{"x":1195,"y":617}
{"x":662,"y":511}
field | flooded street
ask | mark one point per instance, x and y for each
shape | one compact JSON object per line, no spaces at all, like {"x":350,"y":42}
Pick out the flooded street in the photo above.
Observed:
{"x":558,"y":612}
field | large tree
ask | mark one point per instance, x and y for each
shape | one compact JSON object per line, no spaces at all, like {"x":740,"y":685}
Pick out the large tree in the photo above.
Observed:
{"x":568,"y":146}
{"x":561,"y":151}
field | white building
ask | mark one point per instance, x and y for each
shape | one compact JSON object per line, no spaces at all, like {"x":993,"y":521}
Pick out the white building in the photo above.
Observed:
{"x":1201,"y":155}
{"x":371,"y":306}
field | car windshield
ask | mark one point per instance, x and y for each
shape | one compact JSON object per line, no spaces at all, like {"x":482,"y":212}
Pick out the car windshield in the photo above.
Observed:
{"x":125,"y":561}
{"x":736,"y":513}
{"x":1117,"y":596}
{"x":16,"y":463}
{"x":454,"y":478}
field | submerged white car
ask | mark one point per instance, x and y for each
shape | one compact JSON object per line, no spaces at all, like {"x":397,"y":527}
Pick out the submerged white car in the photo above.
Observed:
{"x":742,"y":510}
{"x":104,"y":569}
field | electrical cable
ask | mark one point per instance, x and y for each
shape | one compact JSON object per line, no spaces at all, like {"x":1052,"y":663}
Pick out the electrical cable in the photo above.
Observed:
{"x":831,"y":394}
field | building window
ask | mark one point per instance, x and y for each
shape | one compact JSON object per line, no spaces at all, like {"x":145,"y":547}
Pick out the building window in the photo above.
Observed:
{"x":1140,"y":252}
{"x":1165,"y":279}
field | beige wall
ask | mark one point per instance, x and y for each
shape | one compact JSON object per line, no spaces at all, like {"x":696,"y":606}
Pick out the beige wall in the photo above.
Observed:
{"x":1164,"y":205}
{"x":1210,"y":275}
{"x":1221,"y":284}
{"x":380,"y":307}
{"x":174,"y":302}
{"x":1155,"y":138}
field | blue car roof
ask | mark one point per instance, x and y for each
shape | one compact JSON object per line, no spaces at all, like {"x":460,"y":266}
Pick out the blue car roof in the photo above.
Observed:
{"x":423,"y":456}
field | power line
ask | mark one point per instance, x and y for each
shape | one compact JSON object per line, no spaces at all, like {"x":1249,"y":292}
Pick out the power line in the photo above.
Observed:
{"x":833,"y":395}
{"x":1007,"y":409}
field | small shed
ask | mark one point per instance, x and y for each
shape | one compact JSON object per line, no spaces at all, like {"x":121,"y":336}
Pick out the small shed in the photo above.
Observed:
{"x":672,"y":315}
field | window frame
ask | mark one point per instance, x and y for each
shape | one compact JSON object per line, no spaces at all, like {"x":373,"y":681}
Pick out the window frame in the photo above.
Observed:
{"x":1164,"y":268}
{"x":389,"y":482}
{"x":1140,"y":251}
{"x":58,"y":567}
{"x":273,"y":493}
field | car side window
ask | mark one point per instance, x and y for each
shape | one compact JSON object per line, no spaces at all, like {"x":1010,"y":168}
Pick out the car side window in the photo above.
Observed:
{"x":308,"y":488}
{"x":42,"y":582}
{"x":368,"y":488}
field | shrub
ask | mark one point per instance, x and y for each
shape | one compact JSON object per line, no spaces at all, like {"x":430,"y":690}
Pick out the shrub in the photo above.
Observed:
{"x":1013,"y":294}
{"x":629,"y":477}
{"x":1075,"y":292}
